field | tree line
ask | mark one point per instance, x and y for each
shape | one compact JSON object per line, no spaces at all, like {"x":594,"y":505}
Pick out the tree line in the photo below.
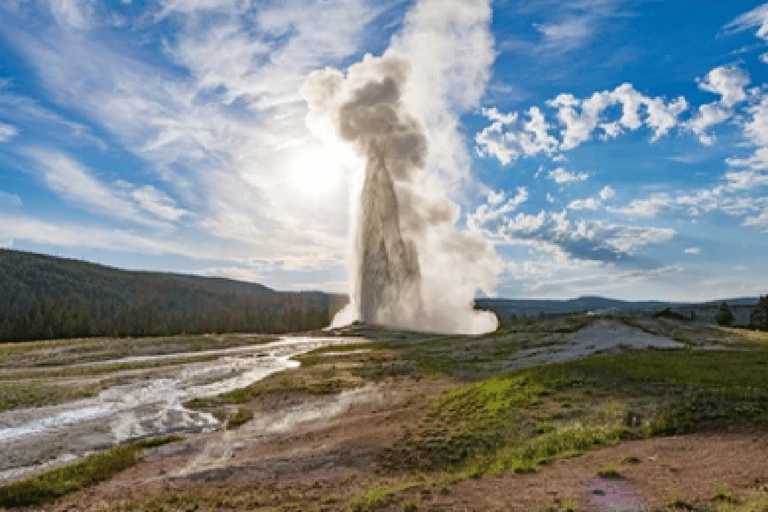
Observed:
{"x":758,"y":319}
{"x":43,"y":297}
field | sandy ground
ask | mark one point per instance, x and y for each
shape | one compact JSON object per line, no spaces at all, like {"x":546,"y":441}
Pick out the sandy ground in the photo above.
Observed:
{"x":304,"y":449}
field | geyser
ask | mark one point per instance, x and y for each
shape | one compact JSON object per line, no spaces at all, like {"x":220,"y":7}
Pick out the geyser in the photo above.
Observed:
{"x":399,"y":227}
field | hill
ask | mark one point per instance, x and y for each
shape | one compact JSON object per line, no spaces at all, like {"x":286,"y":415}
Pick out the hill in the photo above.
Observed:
{"x":505,"y":309}
{"x":50,"y":297}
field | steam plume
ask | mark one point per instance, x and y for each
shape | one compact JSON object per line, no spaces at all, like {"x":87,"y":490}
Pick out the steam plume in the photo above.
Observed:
{"x":410,"y":267}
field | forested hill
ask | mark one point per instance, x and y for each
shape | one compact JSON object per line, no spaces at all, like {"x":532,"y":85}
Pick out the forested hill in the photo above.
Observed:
{"x":50,"y":297}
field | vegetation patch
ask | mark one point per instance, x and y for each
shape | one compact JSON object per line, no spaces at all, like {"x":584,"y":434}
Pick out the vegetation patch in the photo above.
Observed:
{"x":53,"y":484}
{"x":242,"y":416}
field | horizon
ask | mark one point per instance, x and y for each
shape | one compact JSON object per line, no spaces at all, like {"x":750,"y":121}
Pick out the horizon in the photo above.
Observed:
{"x":531,"y":299}
{"x":600,"y":147}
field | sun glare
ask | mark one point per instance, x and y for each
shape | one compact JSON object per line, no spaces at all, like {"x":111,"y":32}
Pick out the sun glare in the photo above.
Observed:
{"x":315,"y":171}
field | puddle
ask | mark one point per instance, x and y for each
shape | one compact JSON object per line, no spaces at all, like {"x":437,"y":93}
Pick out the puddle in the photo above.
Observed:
{"x":613,"y":495}
{"x":146,"y":408}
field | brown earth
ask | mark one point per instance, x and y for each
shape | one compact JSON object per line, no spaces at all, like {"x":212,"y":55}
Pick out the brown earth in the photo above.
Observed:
{"x":305,"y":451}
{"x":321,"y":463}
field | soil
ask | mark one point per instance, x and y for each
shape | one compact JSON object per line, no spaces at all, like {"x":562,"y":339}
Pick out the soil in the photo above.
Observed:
{"x":338,"y":453}
{"x":316,"y":452}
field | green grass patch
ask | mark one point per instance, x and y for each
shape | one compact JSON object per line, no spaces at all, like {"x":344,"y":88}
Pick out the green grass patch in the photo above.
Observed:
{"x":242,"y":416}
{"x":526,"y":456}
{"x":727,"y":370}
{"x":53,"y":484}
{"x":367,"y":500}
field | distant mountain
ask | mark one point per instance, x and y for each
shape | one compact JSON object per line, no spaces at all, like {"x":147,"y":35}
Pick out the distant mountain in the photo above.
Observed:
{"x":701,"y":311}
{"x":44,"y":297}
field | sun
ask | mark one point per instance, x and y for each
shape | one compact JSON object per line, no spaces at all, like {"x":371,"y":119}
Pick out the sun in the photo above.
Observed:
{"x":314,"y":171}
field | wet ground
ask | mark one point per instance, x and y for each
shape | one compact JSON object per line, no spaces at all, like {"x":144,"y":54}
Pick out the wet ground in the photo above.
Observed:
{"x":319,"y":451}
{"x":41,"y":437}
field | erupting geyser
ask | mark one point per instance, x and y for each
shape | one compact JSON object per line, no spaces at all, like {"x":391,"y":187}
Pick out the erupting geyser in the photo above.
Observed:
{"x":396,"y":225}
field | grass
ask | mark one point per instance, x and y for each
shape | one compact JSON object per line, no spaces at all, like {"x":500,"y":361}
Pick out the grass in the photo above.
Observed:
{"x":242,"y":416}
{"x":53,"y":484}
{"x":519,"y":420}
{"x":610,"y":470}
{"x":365,"y":501}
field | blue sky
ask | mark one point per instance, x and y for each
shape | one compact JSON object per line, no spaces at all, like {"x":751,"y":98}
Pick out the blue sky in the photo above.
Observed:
{"x":601,"y":147}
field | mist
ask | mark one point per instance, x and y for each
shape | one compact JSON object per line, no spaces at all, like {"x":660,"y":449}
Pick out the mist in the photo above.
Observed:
{"x":410,"y":268}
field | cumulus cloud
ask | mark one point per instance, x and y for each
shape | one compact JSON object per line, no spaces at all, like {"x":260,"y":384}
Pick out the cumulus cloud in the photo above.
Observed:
{"x":579,"y":120}
{"x":728,"y":82}
{"x":507,"y":145}
{"x":584,"y":204}
{"x":563,"y":177}
{"x":759,"y":221}
{"x":606,"y":193}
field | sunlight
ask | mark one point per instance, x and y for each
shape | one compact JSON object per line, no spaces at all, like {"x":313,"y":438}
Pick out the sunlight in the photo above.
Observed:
{"x":315,"y":171}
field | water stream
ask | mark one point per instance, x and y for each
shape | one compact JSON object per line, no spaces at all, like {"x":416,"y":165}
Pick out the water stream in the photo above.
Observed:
{"x":34,"y":438}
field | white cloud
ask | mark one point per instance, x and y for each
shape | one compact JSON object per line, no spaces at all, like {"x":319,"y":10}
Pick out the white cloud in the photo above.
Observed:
{"x":759,"y":221}
{"x":79,"y":186}
{"x":75,"y":184}
{"x":158,"y":203}
{"x":561,"y":176}
{"x":584,"y":204}
{"x":648,"y":207}
{"x":756,"y":128}
{"x":497,"y":140}
{"x":9,"y":200}
{"x":73,"y":13}
{"x":78,"y":235}
{"x":606,"y":193}
{"x":728,"y":82}
{"x":571,"y":24}
{"x":693,"y":250}
{"x":580,"y":120}
{"x":494,"y":210}
{"x":7,"y":132}
{"x":222,"y":134}
{"x":627,"y":239}
{"x":757,"y":17}
{"x":708,"y":115}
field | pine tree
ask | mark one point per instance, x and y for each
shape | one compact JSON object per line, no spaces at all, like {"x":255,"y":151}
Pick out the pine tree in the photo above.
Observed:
{"x":759,"y":317}
{"x":724,"y":316}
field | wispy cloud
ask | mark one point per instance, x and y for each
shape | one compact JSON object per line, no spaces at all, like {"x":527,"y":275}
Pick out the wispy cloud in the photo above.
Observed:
{"x":9,"y":200}
{"x":563,"y":177}
{"x":757,"y":17}
{"x":221,"y":128}
{"x":7,"y":132}
{"x":74,"y":183}
{"x":572,"y":24}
